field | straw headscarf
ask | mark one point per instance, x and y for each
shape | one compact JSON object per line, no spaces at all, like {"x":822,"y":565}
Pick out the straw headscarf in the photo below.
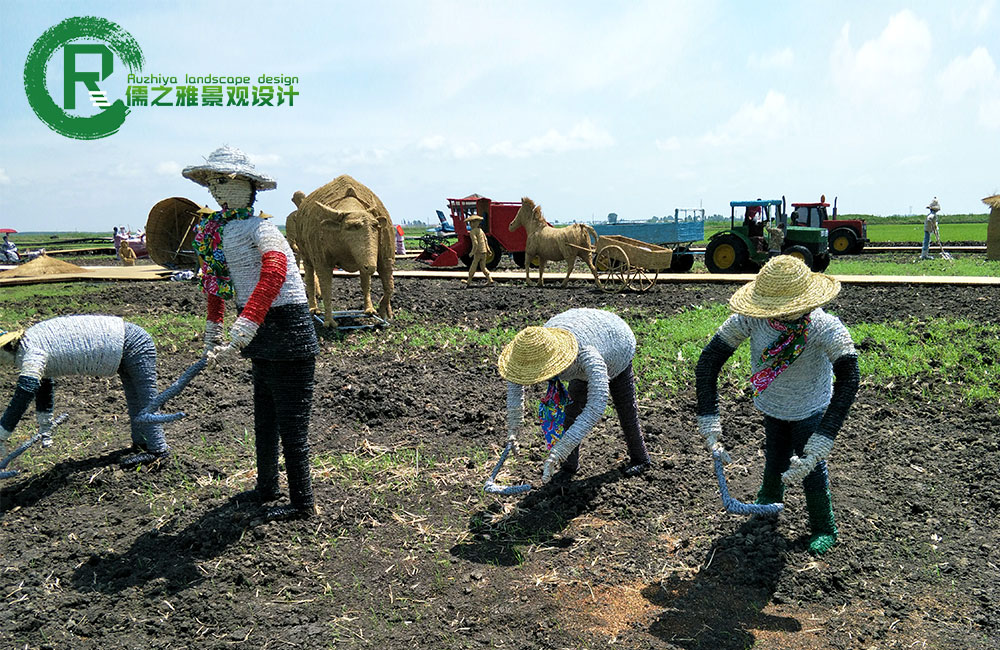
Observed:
{"x":537,"y":354}
{"x":784,"y":288}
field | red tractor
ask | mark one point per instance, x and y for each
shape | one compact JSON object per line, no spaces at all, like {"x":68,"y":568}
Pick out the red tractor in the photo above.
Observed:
{"x":496,"y":224}
{"x":846,"y":236}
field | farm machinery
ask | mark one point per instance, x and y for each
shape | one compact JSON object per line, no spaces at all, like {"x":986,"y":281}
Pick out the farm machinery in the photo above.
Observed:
{"x":677,"y":234}
{"x":846,"y":236}
{"x":496,"y":223}
{"x":764,"y":232}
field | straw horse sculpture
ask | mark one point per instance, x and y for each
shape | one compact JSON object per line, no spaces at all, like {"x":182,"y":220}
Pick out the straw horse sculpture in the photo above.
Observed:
{"x":548,"y":243}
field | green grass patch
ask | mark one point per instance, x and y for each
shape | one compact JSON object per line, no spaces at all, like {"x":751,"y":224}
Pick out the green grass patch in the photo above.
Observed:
{"x":915,"y":232}
{"x":959,"y":265}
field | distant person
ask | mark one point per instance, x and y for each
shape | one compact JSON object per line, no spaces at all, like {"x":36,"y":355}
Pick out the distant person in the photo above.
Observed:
{"x":8,"y":253}
{"x":930,"y":226}
{"x":400,"y":243}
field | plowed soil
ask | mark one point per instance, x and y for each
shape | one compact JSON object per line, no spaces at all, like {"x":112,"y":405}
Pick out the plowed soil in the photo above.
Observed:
{"x":408,"y":552}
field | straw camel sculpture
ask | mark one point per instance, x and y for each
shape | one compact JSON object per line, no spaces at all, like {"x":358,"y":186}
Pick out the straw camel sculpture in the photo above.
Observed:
{"x":547,"y":243}
{"x":344,"y":225}
{"x":993,"y":228}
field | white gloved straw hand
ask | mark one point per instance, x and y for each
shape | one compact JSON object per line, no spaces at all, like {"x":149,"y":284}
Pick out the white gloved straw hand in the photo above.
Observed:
{"x":816,"y":449}
{"x":711,"y":429}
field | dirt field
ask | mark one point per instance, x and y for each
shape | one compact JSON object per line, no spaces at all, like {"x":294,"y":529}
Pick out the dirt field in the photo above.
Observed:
{"x":409,"y":553}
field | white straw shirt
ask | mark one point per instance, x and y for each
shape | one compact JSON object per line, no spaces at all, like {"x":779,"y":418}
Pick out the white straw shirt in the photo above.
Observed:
{"x":806,"y":386}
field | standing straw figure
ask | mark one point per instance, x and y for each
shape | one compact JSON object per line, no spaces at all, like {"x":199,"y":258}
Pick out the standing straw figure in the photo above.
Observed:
{"x":805,"y":377}
{"x":930,"y":228}
{"x":480,"y":247}
{"x":244,"y":255}
{"x":591,"y":351}
{"x":83,"y":345}
{"x":126,"y":253}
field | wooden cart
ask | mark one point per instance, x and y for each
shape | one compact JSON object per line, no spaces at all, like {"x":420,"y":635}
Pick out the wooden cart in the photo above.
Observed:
{"x":626,"y":263}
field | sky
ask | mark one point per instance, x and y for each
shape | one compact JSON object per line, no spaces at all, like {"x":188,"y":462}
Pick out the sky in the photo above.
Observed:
{"x":587,"y":107}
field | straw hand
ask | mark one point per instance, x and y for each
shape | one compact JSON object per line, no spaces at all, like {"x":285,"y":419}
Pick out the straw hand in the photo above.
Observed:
{"x":798,"y":469}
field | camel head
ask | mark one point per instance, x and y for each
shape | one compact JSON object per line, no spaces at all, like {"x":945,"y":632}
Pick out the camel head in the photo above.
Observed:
{"x":297,"y":198}
{"x":524,"y":214}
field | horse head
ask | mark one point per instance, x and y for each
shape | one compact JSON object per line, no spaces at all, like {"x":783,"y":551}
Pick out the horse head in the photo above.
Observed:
{"x":527,"y":213}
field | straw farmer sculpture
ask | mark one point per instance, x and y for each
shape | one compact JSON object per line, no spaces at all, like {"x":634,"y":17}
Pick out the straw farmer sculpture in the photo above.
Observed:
{"x":344,"y":225}
{"x":805,"y":377}
{"x":585,"y":355}
{"x":126,"y":253}
{"x":547,"y":243}
{"x":480,"y":247}
{"x":68,"y":346}
{"x":245,"y":257}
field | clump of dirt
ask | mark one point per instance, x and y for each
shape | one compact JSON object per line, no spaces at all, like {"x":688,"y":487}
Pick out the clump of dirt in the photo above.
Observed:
{"x":407,"y":551}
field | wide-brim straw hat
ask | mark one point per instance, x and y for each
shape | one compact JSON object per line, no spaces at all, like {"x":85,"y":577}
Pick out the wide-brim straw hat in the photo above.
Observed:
{"x":785,"y":287}
{"x":934,"y":206}
{"x":7,"y":337}
{"x":537,"y":354}
{"x":473,"y":217}
{"x":228,"y":161}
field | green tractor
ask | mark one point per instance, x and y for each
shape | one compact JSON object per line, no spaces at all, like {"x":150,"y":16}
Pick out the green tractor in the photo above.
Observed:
{"x":764,"y":233}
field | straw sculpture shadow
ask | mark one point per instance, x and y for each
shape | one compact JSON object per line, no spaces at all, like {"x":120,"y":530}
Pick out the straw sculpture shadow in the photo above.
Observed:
{"x":722,"y":603}
{"x":538,"y":518}
{"x":171,"y":556}
{"x":32,"y":488}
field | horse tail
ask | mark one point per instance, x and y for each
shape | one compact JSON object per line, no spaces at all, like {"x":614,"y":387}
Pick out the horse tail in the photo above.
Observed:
{"x":590,"y":232}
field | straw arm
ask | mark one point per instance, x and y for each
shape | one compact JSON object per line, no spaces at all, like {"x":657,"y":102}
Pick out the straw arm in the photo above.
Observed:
{"x":738,"y":507}
{"x":598,"y":392}
{"x":149,"y":414}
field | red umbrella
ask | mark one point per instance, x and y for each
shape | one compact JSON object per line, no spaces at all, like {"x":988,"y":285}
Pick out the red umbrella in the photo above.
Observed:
{"x":7,"y":230}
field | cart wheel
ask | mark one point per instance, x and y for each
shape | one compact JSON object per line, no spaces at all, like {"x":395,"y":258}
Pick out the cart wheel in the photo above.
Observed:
{"x":615,"y":271}
{"x":642,"y":280}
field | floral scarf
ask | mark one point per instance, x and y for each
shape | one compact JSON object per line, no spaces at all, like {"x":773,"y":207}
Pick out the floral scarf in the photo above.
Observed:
{"x":207,"y":243}
{"x":781,"y":353}
{"x":552,"y":412}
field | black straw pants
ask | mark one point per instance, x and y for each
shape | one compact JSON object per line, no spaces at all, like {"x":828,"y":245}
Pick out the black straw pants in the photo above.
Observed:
{"x":282,"y":396}
{"x":622,"y":389}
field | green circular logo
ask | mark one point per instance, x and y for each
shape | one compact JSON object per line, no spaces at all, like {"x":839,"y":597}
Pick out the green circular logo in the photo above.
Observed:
{"x":115,"y":41}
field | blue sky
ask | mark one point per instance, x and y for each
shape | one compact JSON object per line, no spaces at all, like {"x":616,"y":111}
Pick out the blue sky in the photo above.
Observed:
{"x":586,"y":107}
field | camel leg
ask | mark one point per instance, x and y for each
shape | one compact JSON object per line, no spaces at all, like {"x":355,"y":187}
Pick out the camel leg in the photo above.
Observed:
{"x":310,"y":280}
{"x":366,"y":291}
{"x":385,"y":305}
{"x":326,"y":289}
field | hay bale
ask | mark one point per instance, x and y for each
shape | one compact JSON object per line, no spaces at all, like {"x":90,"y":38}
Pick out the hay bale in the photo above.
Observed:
{"x":42,"y":265}
{"x":993,"y":228}
{"x":170,"y":231}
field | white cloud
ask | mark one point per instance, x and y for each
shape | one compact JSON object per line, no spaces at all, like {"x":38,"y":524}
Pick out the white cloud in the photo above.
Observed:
{"x":265,"y":159}
{"x":887,"y":70}
{"x":966,"y":73}
{"x":670,"y":144}
{"x":438,"y":147}
{"x":4,"y":178}
{"x":335,"y":164}
{"x":779,"y":59}
{"x":773,"y":117}
{"x":583,"y":135}
{"x":169,"y":168}
{"x":975,"y":17}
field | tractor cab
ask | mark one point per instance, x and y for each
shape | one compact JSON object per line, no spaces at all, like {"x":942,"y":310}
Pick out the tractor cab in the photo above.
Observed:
{"x":759,"y":230}
{"x":846,"y":236}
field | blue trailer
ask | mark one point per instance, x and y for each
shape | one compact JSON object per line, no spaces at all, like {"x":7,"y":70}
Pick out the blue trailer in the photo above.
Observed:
{"x":685,"y":228}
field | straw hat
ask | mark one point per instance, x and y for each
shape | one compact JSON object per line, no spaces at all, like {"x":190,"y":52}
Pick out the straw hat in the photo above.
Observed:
{"x":934,"y":206}
{"x":784,"y":287}
{"x":7,"y":337}
{"x":232,"y":162}
{"x":473,"y":217}
{"x":537,"y":354}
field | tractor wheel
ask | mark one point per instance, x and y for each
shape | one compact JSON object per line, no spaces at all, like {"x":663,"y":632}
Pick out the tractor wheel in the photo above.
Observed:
{"x":800,"y":252}
{"x":821,"y":262}
{"x":726,"y":254}
{"x":843,"y":241}
{"x":518,"y":258}
{"x":495,"y":254}
{"x":682,"y":260}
